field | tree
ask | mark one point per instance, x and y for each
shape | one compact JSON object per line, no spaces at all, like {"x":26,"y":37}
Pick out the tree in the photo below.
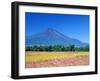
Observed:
{"x":72,"y":47}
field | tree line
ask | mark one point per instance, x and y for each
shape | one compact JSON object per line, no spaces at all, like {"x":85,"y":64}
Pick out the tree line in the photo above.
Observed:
{"x":56,"y":48}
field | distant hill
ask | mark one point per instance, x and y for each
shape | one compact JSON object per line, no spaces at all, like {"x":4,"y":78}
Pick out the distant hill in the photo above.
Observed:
{"x":52,"y":37}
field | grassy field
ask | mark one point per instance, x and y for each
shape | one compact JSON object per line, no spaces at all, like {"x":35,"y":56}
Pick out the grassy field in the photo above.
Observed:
{"x":50,"y":59}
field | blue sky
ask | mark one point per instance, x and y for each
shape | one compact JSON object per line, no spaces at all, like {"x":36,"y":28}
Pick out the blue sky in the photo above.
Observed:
{"x":75,"y":26}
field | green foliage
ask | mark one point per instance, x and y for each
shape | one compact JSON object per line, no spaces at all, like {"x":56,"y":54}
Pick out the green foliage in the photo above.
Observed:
{"x":72,"y":47}
{"x":56,"y":48}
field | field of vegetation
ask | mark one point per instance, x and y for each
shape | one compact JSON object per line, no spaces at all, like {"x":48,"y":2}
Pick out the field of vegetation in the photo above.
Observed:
{"x":39,"y":59}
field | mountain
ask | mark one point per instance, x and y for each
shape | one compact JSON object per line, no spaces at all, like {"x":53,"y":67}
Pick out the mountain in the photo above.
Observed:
{"x":52,"y":37}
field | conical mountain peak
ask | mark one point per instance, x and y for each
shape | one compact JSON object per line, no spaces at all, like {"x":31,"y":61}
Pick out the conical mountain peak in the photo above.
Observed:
{"x":51,"y":36}
{"x":50,"y":30}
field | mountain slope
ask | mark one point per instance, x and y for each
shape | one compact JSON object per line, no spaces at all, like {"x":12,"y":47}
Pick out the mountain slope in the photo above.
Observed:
{"x":52,"y":37}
